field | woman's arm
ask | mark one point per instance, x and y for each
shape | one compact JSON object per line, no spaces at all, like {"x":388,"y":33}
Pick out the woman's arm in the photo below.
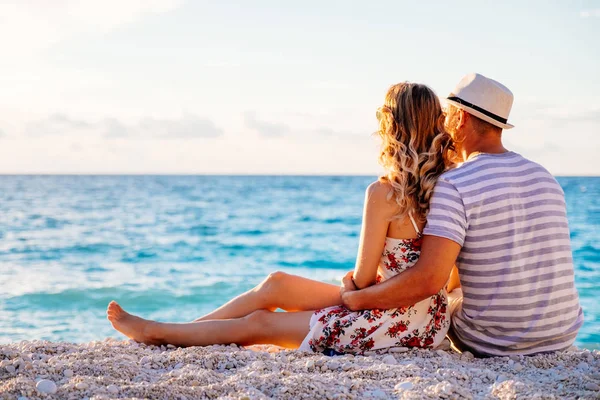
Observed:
{"x":376,"y":219}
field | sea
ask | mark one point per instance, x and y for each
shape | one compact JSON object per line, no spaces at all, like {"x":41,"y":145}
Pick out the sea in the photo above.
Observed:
{"x":173,"y":248}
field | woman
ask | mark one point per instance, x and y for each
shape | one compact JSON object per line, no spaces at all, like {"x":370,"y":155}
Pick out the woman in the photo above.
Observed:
{"x":415,"y":151}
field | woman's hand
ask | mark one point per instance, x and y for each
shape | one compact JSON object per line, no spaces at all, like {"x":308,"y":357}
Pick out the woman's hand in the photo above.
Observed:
{"x":348,"y":282}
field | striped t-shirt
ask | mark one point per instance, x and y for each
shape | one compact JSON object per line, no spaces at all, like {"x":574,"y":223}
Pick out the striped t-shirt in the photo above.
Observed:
{"x":515,"y":265}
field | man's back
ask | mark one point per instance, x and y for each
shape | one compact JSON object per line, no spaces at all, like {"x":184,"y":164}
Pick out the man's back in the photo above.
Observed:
{"x":515,"y":265}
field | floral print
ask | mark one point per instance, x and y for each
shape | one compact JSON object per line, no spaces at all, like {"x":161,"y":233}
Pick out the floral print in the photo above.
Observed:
{"x":424,"y":324}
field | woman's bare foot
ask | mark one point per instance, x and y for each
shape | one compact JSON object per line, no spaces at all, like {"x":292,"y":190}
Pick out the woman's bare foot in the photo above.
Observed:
{"x":133,"y":327}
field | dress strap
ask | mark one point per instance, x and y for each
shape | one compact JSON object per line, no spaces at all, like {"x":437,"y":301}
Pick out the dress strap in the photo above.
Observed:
{"x":414,"y":224}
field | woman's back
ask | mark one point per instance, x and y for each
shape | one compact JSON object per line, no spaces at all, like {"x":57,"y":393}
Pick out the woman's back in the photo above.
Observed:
{"x":423,"y":324}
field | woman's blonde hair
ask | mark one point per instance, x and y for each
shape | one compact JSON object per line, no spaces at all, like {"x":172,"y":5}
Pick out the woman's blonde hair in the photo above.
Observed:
{"x":416,"y":148}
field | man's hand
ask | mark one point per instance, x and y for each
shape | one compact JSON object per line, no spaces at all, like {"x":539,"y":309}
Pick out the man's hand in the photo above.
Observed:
{"x":347,"y":288}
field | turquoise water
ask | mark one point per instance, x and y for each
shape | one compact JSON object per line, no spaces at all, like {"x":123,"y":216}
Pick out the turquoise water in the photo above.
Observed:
{"x":175,"y":247}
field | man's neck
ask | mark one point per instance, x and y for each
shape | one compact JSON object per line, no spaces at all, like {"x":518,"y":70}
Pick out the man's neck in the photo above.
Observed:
{"x":481,"y":143}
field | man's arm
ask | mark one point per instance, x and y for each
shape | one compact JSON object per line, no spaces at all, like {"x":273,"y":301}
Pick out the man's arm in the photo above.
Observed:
{"x":424,"y":279}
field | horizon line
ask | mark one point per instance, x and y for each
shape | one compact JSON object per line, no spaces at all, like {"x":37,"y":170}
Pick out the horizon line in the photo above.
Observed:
{"x":116,"y":174}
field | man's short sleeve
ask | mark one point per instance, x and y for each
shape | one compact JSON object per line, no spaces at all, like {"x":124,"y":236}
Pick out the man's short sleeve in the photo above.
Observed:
{"x":447,"y":217}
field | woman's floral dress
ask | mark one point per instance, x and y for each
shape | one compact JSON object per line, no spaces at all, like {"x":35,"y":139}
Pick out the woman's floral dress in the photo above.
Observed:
{"x":425,"y":324}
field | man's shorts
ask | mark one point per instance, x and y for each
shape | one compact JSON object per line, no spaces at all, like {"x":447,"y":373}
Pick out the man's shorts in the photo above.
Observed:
{"x":455,"y":300}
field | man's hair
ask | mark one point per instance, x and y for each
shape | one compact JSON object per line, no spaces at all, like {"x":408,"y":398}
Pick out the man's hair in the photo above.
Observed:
{"x":484,"y":126}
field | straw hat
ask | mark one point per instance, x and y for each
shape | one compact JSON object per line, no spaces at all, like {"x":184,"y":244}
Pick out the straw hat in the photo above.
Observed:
{"x":484,"y":98}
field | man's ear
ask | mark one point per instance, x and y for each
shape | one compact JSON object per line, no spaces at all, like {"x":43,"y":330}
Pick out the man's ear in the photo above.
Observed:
{"x":462,"y":118}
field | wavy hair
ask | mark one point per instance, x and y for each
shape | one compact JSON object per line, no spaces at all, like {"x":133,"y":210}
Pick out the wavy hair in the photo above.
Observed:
{"x":415,"y":147}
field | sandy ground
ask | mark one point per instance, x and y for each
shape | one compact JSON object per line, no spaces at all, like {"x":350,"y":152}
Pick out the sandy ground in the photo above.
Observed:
{"x":123,"y":369}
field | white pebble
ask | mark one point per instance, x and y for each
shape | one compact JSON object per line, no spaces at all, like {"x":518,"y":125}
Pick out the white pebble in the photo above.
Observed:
{"x":333,"y":365}
{"x":582,"y":365}
{"x":310,"y":364}
{"x":259,"y":365}
{"x":518,"y":367}
{"x":68,"y":373}
{"x":590,"y":358}
{"x":389,"y":359}
{"x":377,"y":394}
{"x":112,"y":389}
{"x":145,"y":360}
{"x":46,"y":386}
{"x":347,"y":366}
{"x":81,"y":385}
{"x":446,"y":388}
{"x":592,"y":386}
{"x":442,"y":353}
{"x":406,"y":385}
{"x":11,"y":369}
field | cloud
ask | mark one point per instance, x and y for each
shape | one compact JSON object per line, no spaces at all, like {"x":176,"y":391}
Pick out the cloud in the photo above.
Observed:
{"x":189,"y":126}
{"x":590,"y":116}
{"x":113,"y":128}
{"x":590,"y":13}
{"x":56,"y":124}
{"x":265,"y":128}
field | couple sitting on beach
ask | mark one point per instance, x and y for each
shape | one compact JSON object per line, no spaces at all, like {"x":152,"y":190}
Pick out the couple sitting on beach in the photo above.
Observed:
{"x":455,"y":212}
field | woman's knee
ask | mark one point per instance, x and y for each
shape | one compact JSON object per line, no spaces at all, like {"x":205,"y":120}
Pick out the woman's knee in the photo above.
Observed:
{"x":273,"y":283}
{"x":258,"y":318}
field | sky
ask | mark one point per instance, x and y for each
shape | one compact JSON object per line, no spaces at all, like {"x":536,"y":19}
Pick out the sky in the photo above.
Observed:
{"x":271,"y":87}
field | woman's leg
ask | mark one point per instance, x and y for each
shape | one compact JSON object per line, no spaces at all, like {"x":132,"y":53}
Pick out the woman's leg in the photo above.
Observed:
{"x":286,"y":329}
{"x":279,"y":290}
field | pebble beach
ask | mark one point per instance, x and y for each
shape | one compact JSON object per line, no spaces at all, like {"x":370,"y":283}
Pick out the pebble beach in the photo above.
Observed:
{"x":114,"y":369}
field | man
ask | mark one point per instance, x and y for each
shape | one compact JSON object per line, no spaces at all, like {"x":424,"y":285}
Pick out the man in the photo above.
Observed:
{"x":502,"y":220}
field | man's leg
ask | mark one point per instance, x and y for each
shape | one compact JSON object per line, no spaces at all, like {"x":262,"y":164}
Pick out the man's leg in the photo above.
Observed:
{"x":279,"y":290}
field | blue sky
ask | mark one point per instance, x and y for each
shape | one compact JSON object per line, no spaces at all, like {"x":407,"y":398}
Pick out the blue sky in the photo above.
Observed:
{"x":173,"y":86}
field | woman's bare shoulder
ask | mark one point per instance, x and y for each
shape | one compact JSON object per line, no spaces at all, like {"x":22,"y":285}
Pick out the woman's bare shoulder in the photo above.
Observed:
{"x":381,"y":194}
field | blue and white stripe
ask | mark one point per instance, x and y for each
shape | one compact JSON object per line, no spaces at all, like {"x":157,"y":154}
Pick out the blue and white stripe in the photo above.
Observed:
{"x":516,"y":265}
